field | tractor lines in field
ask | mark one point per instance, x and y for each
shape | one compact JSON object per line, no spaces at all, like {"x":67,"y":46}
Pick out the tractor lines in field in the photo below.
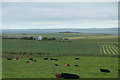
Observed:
{"x":116,"y":47}
{"x":115,"y":50}
{"x":108,"y":49}
{"x":103,"y":49}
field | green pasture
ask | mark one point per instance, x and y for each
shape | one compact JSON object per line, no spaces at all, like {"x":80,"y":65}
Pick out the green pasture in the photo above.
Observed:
{"x":86,"y":46}
{"x":52,"y":47}
{"x":88,"y":67}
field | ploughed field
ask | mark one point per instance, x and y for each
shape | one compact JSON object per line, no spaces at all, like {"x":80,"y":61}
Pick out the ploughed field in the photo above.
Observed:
{"x":94,"y":50}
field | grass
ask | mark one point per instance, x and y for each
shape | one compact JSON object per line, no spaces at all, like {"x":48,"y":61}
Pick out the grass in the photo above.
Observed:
{"x":89,"y":49}
{"x":54,"y":48}
{"x":57,"y":48}
{"x":88,"y":67}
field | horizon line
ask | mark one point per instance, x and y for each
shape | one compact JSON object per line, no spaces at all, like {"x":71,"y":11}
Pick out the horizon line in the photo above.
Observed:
{"x":61,"y":28}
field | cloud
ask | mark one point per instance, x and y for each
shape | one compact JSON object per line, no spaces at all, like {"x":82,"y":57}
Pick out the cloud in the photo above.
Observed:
{"x":57,"y":15}
{"x":60,"y":0}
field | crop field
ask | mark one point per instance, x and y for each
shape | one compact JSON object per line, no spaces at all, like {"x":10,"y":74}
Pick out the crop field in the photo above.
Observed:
{"x":58,"y":48}
{"x":94,"y":50}
{"x":109,"y":49}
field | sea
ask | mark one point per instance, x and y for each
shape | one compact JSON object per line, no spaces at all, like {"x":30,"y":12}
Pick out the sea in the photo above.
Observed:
{"x":110,"y":31}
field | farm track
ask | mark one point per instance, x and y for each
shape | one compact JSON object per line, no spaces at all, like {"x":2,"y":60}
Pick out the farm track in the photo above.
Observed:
{"x":109,"y":49}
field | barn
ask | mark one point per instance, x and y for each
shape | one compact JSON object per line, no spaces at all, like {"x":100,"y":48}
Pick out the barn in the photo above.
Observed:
{"x":39,"y":38}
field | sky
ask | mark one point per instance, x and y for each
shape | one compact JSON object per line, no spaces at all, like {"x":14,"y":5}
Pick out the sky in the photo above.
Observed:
{"x":50,"y":15}
{"x":60,"y":0}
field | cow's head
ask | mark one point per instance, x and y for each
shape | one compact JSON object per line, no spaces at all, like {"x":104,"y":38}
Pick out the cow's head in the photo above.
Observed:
{"x":58,"y":76}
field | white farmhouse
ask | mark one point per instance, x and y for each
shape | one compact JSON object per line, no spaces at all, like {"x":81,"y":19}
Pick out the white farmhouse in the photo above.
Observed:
{"x":39,"y":38}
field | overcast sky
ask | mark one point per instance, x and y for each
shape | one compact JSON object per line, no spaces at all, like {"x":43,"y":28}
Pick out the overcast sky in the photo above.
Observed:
{"x":43,"y":15}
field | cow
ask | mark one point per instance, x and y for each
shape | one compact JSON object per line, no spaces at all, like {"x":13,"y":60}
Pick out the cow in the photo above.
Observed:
{"x":56,"y":64}
{"x":9,"y":58}
{"x":67,"y":76}
{"x":51,"y":58}
{"x":45,"y":58}
{"x":54,"y":59}
{"x":17,"y":59}
{"x":77,"y":58}
{"x":66,"y":64}
{"x":76,"y":65}
{"x":31,"y":59}
{"x":35,"y":60}
{"x":105,"y":70}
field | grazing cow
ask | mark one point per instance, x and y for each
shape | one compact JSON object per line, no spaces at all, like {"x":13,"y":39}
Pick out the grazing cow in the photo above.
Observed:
{"x":53,"y":59}
{"x":105,"y":70}
{"x":119,"y":70}
{"x":56,"y":59}
{"x":31,"y":59}
{"x":67,"y":76}
{"x":9,"y":58}
{"x":35,"y":60}
{"x":17,"y":59}
{"x":56,"y":64}
{"x":76,"y":65}
{"x":77,"y":58}
{"x":45,"y":58}
{"x":66,"y":64}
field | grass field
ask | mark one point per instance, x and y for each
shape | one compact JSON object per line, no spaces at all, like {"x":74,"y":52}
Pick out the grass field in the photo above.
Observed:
{"x":95,"y":51}
{"x":57,"y":48}
{"x":88,"y":67}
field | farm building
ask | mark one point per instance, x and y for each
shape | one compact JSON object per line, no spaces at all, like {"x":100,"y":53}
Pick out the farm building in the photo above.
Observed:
{"x":39,"y":38}
{"x":65,"y":38}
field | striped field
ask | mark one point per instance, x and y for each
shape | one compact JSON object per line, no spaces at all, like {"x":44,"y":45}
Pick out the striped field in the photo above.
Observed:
{"x":109,"y":49}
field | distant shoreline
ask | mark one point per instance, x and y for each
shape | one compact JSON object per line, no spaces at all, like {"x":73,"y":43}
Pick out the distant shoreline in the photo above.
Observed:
{"x":110,"y":31}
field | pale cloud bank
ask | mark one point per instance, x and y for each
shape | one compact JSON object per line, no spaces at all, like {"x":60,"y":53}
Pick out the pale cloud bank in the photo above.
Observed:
{"x":45,"y":15}
{"x":60,"y":0}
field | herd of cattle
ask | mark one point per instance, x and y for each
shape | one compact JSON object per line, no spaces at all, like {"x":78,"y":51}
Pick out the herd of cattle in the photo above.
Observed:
{"x":32,"y":59}
{"x":62,"y":75}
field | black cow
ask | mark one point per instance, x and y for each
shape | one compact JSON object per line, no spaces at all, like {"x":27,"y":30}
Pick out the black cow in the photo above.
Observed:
{"x":105,"y":70}
{"x":76,"y":65}
{"x":67,"y":76}
{"x":31,"y":59}
{"x":56,"y":64}
{"x":45,"y":58}
{"x":9,"y":58}
{"x":53,"y":59}
{"x":77,"y":58}
{"x":35,"y":60}
{"x":17,"y":58}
